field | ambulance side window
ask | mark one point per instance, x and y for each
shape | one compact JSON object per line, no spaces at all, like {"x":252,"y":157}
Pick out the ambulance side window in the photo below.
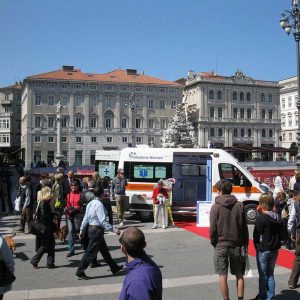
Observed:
{"x":233,"y":174}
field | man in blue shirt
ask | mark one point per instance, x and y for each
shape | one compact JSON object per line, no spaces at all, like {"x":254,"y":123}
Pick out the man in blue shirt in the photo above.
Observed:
{"x":95,"y":219}
{"x":144,"y":279}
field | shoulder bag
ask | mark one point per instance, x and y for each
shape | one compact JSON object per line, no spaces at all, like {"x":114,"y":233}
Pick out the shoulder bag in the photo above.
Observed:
{"x":37,"y":228}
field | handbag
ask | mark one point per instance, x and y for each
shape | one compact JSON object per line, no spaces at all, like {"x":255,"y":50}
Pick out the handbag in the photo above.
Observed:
{"x":17,"y":203}
{"x":6,"y":276}
{"x":37,"y":228}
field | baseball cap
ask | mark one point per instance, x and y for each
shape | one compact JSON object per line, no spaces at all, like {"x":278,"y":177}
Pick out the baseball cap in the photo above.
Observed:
{"x":120,"y":170}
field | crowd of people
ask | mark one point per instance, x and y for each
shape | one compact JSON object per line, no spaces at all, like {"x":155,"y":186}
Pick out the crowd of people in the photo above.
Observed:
{"x":86,"y":204}
{"x":277,"y":224}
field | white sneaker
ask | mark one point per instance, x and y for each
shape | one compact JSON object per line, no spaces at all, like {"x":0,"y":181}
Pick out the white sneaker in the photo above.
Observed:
{"x":164,"y":227}
{"x":121,"y":224}
{"x":154,"y":226}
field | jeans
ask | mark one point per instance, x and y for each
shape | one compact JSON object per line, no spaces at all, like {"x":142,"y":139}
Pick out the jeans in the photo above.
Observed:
{"x":96,"y":243}
{"x":265,"y":265}
{"x":71,"y":229}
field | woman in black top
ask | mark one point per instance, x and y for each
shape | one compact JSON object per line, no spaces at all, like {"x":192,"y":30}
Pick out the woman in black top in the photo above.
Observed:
{"x":45,"y":243}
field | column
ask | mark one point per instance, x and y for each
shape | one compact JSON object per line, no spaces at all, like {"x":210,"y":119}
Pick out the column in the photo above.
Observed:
{"x":58,"y":156}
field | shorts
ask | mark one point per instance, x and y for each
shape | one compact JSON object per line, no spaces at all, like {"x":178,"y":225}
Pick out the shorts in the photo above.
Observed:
{"x":224,"y":255}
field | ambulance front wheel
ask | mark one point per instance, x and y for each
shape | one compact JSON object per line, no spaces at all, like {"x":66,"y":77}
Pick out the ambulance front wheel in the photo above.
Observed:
{"x":251,"y":213}
{"x":145,"y":215}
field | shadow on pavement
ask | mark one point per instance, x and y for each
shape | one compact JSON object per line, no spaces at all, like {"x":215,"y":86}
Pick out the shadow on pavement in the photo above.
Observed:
{"x":22,"y":256}
{"x":288,"y":294}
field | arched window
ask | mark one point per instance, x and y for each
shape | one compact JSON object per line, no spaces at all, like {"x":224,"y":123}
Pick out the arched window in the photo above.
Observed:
{"x":234,"y":95}
{"x":93,"y":121}
{"x":108,"y":120}
{"x":124,"y":121}
{"x":219,"y":95}
{"x":212,"y":132}
{"x":235,"y":132}
{"x":241,"y":96}
{"x":248,"y":96}
{"x":242,"y":132}
{"x":270,"y":133}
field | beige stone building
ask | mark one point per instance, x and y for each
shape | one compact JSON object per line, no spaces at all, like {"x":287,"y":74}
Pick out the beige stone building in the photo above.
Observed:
{"x":238,"y":113}
{"x":100,"y":111}
{"x":10,"y":120}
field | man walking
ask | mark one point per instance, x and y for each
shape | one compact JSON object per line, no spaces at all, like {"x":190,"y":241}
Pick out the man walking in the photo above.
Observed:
{"x":229,"y":235}
{"x":144,"y":279}
{"x":118,"y":186}
{"x":95,"y":219}
{"x":26,"y":203}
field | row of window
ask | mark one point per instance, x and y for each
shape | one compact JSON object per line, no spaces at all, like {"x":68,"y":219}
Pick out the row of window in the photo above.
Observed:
{"x":289,"y":102}
{"x":108,"y":122}
{"x":79,"y":86}
{"x":236,"y":133}
{"x":5,"y":123}
{"x":4,"y":138}
{"x":218,"y":112}
{"x":79,"y":139}
{"x":78,"y":102}
{"x":238,"y":96}
{"x":290,"y":136}
{"x":290,"y":120}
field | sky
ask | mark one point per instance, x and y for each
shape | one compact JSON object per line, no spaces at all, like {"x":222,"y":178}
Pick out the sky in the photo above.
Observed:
{"x":163,"y":38}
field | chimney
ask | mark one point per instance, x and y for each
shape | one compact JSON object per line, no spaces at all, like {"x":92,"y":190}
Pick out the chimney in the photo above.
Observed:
{"x":190,"y":74}
{"x":131,"y":72}
{"x":68,"y":68}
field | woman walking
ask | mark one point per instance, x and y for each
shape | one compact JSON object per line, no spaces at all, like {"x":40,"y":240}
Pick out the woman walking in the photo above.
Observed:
{"x":7,"y":259}
{"x":72,"y":212}
{"x":45,"y":243}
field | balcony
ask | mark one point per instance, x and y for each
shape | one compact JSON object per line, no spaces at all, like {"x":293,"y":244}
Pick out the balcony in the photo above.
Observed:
{"x":239,"y":120}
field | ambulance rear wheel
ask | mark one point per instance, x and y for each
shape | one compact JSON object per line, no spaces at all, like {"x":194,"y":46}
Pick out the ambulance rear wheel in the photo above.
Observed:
{"x":251,"y":213}
{"x":145,"y":215}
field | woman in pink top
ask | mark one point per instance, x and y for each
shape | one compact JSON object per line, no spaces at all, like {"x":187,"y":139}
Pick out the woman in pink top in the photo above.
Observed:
{"x":72,"y":210}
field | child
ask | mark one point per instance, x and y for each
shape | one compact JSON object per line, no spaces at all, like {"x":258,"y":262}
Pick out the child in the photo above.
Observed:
{"x":159,"y":196}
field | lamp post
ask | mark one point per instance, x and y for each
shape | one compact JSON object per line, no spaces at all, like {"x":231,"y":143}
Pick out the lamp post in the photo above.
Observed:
{"x":290,"y":22}
{"x":132,"y":106}
{"x":58,"y":156}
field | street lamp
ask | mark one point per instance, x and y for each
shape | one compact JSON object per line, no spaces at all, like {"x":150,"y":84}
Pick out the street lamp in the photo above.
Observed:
{"x":58,"y":156}
{"x":132,"y":106}
{"x":290,"y":21}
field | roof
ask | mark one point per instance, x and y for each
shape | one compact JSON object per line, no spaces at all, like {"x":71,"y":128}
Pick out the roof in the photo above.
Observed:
{"x":17,"y":86}
{"x":123,"y":76}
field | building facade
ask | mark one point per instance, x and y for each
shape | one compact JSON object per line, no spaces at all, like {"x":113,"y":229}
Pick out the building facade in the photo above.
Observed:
{"x":237,"y":113}
{"x":100,"y":111}
{"x":10,"y":120}
{"x":289,"y":111}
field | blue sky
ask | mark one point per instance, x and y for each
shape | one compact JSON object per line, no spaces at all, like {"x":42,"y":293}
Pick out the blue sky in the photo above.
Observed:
{"x":163,"y":38}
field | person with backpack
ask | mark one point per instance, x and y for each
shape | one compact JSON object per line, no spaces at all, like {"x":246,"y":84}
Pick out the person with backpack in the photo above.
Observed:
{"x":294,"y":229}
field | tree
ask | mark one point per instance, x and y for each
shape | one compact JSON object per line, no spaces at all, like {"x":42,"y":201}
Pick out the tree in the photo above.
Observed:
{"x":180,"y":132}
{"x":294,"y":149}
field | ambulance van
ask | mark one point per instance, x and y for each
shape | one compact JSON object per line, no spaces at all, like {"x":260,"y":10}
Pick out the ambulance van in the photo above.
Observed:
{"x":194,"y":173}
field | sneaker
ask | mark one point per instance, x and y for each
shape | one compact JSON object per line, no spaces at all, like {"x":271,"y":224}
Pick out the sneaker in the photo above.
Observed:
{"x":82,"y":276}
{"x":117,"y":270}
{"x":154,"y":226}
{"x":121,"y":224}
{"x":164,"y":227}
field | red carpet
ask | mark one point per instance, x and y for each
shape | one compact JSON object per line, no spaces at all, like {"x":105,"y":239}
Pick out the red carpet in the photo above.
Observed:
{"x":285,"y":257}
